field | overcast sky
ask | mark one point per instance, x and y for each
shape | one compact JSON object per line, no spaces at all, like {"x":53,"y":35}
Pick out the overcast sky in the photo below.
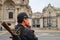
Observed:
{"x":38,"y":5}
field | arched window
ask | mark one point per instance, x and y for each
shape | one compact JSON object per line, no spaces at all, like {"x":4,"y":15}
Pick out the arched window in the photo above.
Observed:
{"x":23,"y":0}
{"x":10,"y":15}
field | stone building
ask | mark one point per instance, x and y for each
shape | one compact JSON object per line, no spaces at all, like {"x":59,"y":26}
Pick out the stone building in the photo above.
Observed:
{"x":48,"y":19}
{"x":9,"y":9}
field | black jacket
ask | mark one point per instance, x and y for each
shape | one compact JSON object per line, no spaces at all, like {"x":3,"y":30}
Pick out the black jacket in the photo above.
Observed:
{"x":26,"y":33}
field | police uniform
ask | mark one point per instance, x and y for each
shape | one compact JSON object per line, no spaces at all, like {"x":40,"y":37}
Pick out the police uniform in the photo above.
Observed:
{"x":23,"y":32}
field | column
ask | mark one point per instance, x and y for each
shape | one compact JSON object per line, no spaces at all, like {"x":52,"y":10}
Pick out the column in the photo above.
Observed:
{"x":41,"y":23}
{"x":58,"y":22}
{"x":16,"y":12}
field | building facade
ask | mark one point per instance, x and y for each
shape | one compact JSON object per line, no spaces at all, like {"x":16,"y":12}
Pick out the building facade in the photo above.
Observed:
{"x":9,"y":9}
{"x":48,"y":19}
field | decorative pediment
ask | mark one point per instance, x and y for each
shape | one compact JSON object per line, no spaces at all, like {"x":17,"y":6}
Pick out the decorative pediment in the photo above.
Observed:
{"x":48,"y":8}
{"x":9,"y":4}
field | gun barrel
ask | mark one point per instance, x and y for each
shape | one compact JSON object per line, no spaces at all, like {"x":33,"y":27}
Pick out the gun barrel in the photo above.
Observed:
{"x":5,"y":25}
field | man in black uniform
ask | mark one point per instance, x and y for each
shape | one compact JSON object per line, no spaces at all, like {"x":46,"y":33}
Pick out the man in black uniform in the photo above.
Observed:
{"x":22,"y":29}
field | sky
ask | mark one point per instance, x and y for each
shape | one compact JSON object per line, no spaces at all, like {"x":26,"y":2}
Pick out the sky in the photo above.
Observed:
{"x":38,"y":5}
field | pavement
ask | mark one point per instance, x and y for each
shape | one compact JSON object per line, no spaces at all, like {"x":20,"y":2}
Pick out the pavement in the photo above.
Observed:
{"x":47,"y":31}
{"x":48,"y":36}
{"x":41,"y":34}
{"x":3,"y":32}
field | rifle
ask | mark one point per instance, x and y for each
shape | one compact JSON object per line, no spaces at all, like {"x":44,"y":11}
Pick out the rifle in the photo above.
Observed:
{"x":14,"y":36}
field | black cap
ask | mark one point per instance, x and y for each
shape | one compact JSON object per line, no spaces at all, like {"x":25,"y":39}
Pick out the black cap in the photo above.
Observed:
{"x":21,"y":16}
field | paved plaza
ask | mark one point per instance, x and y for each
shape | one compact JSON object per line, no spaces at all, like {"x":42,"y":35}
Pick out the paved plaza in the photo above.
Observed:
{"x":41,"y":35}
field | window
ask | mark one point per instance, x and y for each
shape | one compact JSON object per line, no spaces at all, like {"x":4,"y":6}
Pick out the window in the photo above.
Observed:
{"x":9,"y":24}
{"x":33,"y":21}
{"x":36,"y":23}
{"x":45,"y":22}
{"x":10,"y":15}
{"x":23,"y":0}
{"x":49,"y":14}
{"x":18,"y":9}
